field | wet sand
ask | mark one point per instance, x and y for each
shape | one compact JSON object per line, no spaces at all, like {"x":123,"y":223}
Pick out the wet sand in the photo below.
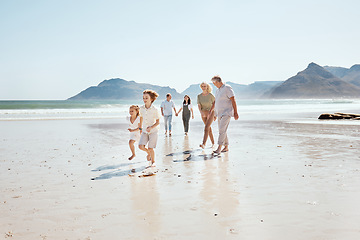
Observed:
{"x":69,"y":179}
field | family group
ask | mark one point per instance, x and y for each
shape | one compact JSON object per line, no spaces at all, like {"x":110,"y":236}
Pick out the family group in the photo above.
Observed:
{"x":144,"y":121}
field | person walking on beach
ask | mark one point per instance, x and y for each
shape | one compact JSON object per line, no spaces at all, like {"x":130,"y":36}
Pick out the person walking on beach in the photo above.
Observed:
{"x":150,"y":119}
{"x":205,"y":101}
{"x":225,"y":108}
{"x":187,"y":112}
{"x":134,"y":128}
{"x":166,"y":111}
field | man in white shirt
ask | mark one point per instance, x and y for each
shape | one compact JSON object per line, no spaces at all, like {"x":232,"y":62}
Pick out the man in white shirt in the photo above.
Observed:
{"x":167,"y":107}
{"x":225,"y":107}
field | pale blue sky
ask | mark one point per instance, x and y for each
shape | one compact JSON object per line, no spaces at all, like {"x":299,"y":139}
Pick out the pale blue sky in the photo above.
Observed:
{"x":55,"y":49}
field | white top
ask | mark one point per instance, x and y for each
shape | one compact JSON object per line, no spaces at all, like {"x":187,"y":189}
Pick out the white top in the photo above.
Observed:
{"x":134,"y":125}
{"x":149,"y":115}
{"x":223,"y":105}
{"x":167,"y":107}
{"x":189,"y":106}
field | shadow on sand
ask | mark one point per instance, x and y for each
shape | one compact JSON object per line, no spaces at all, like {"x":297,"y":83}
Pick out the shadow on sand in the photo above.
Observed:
{"x":193,"y":157}
{"x":117,"y":172}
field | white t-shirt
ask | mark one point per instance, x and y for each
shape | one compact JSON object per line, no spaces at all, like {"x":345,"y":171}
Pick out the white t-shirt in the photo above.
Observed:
{"x":167,"y":107}
{"x":223,"y":104}
{"x":149,"y":115}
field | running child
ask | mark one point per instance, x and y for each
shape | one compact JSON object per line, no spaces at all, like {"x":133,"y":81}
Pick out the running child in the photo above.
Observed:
{"x":134,"y":128}
{"x":149,"y":121}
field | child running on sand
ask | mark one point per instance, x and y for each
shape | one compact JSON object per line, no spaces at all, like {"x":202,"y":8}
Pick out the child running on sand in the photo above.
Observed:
{"x":134,"y":128}
{"x":150,"y":120}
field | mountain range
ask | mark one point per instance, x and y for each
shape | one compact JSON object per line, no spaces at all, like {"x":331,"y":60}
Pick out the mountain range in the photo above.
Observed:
{"x":313,"y":82}
{"x":317,"y":82}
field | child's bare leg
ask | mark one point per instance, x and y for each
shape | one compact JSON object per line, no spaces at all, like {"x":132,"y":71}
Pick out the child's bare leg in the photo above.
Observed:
{"x":142,"y":147}
{"x":132,"y":148}
{"x":152,"y":155}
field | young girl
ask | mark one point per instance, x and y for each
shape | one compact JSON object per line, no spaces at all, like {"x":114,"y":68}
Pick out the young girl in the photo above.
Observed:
{"x":150,"y":120}
{"x":187,"y":109}
{"x":134,"y":128}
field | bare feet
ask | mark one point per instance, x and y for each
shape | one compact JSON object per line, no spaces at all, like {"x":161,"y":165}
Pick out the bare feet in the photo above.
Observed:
{"x":186,"y":134}
{"x":225,"y":149}
{"x":132,"y":156}
{"x":202,"y":145}
{"x":170,"y":134}
{"x":217,"y":151}
{"x":148,"y":157}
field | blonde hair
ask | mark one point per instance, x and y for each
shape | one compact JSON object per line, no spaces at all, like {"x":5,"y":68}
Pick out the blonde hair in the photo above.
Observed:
{"x":208,"y":86}
{"x":153,"y":94}
{"x":136,"y":108}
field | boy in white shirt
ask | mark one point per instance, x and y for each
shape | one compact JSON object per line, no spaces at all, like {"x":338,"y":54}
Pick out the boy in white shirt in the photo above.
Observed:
{"x":150,"y":119}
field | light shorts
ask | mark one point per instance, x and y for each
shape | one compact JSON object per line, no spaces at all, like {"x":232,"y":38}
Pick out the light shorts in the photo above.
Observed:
{"x":149,"y":138}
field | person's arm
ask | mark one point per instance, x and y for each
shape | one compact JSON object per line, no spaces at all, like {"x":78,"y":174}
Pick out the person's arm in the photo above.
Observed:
{"x":140,"y":124}
{"x":162,"y":111}
{"x":153,"y":126}
{"x":179,"y":111}
{"x":192,"y":113}
{"x":173,"y":105}
{"x":199,"y":106}
{"x":233,"y":102}
{"x":212,"y":109}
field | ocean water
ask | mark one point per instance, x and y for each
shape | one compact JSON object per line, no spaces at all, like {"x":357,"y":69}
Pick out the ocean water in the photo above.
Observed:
{"x":289,"y":109}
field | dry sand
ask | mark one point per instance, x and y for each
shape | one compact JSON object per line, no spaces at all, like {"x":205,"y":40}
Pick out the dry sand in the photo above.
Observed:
{"x":69,"y":179}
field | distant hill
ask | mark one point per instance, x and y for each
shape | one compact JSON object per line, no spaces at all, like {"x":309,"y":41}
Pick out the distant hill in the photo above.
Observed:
{"x":251,"y":91}
{"x":315,"y":82}
{"x":121,"y":89}
{"x":337,"y":71}
{"x":351,"y":75}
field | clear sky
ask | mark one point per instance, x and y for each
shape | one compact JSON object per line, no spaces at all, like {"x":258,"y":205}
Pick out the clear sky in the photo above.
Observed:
{"x":55,"y":49}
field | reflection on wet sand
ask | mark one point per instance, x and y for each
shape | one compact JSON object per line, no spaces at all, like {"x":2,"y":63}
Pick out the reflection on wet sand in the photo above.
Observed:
{"x":145,"y":206}
{"x":218,"y":194}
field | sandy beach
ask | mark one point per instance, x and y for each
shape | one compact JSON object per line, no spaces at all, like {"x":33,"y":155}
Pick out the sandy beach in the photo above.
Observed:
{"x":281,"y":179}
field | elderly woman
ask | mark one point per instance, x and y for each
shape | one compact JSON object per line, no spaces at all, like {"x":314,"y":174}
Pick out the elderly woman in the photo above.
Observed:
{"x":205,"y":101}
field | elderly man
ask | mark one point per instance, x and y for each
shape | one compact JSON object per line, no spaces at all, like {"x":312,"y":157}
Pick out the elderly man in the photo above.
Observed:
{"x":225,"y":108}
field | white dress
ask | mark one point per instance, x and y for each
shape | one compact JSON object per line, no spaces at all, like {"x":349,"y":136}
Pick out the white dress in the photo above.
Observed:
{"x":136,"y":134}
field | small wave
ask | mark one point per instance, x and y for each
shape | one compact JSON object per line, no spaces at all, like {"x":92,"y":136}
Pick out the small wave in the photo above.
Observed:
{"x":339,"y":101}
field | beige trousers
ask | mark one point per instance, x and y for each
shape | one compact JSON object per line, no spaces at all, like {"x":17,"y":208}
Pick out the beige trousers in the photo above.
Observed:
{"x":223,"y":123}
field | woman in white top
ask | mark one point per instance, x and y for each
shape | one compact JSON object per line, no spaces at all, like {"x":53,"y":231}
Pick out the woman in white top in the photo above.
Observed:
{"x":134,"y":128}
{"x":187,"y":109}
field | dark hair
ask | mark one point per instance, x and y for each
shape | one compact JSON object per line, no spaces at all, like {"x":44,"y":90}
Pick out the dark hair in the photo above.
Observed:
{"x":189,"y":102}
